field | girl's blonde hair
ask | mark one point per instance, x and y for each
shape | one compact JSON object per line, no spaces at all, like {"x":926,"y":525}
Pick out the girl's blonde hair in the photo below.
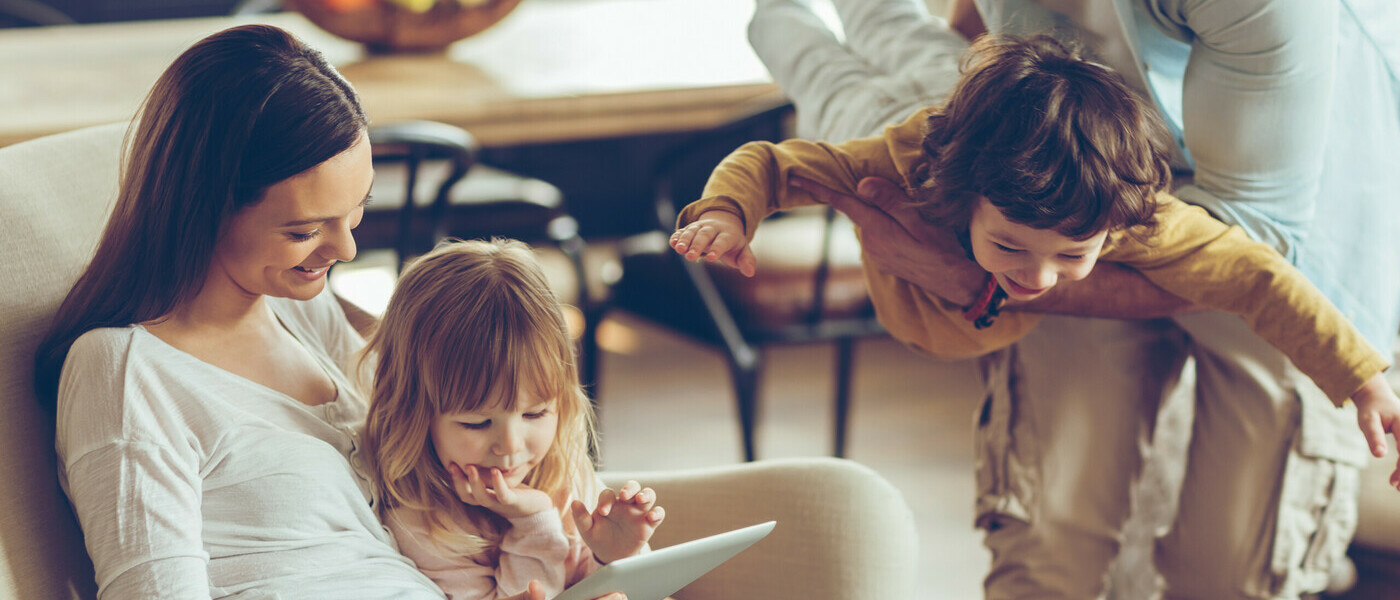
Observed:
{"x":468,"y":325}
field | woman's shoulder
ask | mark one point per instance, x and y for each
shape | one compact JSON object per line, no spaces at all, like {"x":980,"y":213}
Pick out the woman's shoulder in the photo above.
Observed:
{"x":103,"y":341}
{"x":116,"y":387}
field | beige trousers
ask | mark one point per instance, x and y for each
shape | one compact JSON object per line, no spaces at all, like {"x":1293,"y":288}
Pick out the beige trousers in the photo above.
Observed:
{"x":1268,"y":502}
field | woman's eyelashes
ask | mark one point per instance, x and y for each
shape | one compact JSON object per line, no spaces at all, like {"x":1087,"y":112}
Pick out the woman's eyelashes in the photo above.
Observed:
{"x":298,"y":236}
{"x":1006,"y":249}
{"x":303,"y":237}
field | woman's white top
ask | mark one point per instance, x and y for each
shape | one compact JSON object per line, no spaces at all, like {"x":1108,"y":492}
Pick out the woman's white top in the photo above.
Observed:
{"x":192,"y":482}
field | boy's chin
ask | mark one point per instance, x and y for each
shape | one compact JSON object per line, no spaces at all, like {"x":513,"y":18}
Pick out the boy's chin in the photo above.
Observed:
{"x":1019,"y":293}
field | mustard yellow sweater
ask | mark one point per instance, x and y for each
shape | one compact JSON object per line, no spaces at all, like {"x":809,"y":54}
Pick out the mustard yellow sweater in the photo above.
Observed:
{"x":1191,"y":255}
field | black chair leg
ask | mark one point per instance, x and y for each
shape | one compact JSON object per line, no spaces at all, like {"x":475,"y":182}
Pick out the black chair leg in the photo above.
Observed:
{"x":845,"y":357}
{"x":588,"y":374}
{"x":745,"y":377}
{"x":588,"y":353}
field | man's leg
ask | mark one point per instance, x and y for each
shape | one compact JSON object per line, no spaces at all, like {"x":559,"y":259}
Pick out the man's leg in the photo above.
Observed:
{"x":1069,"y":413}
{"x":902,"y":40}
{"x":824,"y":80}
{"x":1269,"y":499}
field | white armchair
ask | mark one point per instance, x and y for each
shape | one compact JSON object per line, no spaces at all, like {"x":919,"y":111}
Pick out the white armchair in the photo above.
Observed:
{"x":843,"y":531}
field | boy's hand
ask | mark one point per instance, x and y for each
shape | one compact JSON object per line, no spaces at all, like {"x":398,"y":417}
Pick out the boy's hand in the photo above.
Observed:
{"x":717,"y":235}
{"x":1378,"y":413}
{"x":491,"y":492}
{"x":622,"y":523}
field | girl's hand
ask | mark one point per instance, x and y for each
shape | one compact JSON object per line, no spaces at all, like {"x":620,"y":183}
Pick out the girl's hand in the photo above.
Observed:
{"x":492,"y":493}
{"x":536,"y":592}
{"x":622,"y":523}
{"x":718,"y":235}
{"x":1378,"y":413}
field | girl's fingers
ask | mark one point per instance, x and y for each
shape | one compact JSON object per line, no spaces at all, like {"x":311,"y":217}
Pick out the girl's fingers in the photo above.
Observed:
{"x":461,"y":483}
{"x":605,"y":502}
{"x":502,"y":490}
{"x":535,"y":590}
{"x":628,"y":490}
{"x":480,"y":491}
{"x":582,"y":519}
{"x":656,"y":515}
{"x":645,"y":498}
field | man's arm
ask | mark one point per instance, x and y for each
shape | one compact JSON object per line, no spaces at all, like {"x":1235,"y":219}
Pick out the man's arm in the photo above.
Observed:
{"x":900,"y":243}
{"x":964,"y":18}
{"x":1111,"y":291}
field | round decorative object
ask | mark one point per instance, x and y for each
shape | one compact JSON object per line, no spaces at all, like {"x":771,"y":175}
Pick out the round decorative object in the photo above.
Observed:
{"x":402,"y":25}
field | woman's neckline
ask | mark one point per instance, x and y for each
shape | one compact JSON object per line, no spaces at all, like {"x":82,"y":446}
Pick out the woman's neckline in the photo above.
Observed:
{"x":335,"y":382}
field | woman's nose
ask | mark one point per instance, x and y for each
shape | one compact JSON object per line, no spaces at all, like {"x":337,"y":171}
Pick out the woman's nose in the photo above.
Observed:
{"x":340,"y":245}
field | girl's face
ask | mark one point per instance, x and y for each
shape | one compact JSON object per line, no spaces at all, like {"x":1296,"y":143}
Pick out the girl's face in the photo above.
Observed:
{"x":283,"y":245}
{"x":513,"y":441}
{"x":1026,"y":261}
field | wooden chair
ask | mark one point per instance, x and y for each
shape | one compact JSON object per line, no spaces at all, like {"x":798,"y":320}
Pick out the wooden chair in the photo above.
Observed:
{"x":453,"y":195}
{"x":807,"y":289}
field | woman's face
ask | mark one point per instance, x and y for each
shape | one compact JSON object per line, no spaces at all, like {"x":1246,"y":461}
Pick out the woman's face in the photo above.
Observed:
{"x":283,"y":245}
{"x":1026,"y":261}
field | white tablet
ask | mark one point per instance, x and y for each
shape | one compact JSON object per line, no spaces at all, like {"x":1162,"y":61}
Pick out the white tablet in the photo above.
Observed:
{"x":660,"y":573}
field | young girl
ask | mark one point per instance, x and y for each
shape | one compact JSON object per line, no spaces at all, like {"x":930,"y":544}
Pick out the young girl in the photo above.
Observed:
{"x":478,"y":431}
{"x":1044,"y":163}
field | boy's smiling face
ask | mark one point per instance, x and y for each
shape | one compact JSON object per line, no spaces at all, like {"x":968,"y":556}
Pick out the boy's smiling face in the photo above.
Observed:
{"x":1026,"y":261}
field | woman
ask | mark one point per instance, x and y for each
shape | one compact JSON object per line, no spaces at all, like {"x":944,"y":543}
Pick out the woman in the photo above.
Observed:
{"x":206,"y":409}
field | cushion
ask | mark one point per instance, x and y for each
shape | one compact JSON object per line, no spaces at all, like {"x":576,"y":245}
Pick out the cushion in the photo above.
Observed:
{"x":55,"y":195}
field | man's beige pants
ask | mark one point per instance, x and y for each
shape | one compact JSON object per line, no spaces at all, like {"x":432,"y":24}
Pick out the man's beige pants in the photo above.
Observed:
{"x":1268,"y":503}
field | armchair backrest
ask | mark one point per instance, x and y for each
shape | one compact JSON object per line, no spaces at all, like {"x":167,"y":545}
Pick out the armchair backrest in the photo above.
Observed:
{"x":55,"y":195}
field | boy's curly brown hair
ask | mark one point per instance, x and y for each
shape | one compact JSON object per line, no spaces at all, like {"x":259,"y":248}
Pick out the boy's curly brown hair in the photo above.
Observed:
{"x":1053,"y":140}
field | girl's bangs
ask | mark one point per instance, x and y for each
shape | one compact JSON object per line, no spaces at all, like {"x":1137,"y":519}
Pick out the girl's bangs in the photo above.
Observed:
{"x":488,"y":370}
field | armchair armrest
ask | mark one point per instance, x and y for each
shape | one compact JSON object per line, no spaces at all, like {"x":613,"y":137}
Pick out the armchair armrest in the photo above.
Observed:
{"x":843,"y":530}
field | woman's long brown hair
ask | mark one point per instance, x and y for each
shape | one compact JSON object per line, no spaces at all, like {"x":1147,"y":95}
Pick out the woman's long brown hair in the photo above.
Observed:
{"x":239,"y":111}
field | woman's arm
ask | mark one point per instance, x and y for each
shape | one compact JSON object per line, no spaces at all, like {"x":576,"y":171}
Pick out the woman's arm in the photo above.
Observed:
{"x":135,"y":489}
